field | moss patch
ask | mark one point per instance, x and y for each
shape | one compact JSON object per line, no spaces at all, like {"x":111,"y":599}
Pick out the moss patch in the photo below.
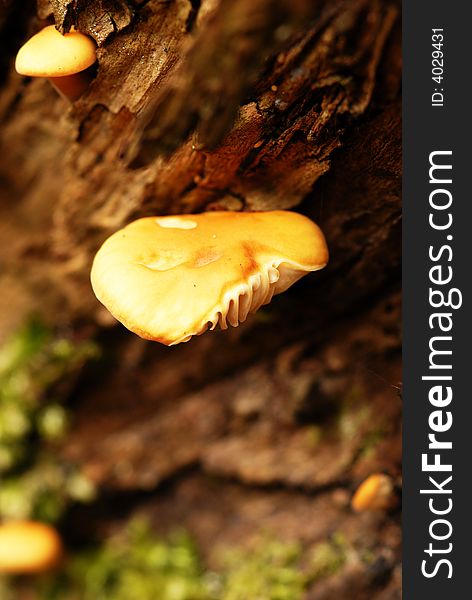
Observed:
{"x":327,"y":558}
{"x":135,"y":565}
{"x":269,"y":572}
{"x":35,"y":370}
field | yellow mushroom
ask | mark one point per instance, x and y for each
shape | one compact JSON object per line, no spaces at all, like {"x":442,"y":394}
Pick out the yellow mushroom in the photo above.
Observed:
{"x":375,"y":493}
{"x":169,"y":278}
{"x":28,"y":547}
{"x":63,"y":59}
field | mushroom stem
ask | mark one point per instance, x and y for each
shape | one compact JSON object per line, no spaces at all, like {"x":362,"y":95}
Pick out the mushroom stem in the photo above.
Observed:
{"x":71,"y":87}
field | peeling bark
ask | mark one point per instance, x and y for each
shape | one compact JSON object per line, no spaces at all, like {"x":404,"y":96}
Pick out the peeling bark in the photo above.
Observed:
{"x":99,"y":19}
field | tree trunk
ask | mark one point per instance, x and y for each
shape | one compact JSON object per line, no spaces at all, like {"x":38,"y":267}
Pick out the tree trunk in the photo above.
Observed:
{"x":196,"y":106}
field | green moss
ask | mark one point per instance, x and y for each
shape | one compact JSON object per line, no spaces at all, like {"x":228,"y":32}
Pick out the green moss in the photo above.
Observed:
{"x":270,"y":572}
{"x":136,"y":565}
{"x":327,"y":558}
{"x":35,"y":367}
{"x":139,"y":566}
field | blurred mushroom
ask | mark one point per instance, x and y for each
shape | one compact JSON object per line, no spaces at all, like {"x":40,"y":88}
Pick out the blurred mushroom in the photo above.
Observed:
{"x":169,"y":278}
{"x":375,"y":493}
{"x":28,"y":547}
{"x":63,"y":59}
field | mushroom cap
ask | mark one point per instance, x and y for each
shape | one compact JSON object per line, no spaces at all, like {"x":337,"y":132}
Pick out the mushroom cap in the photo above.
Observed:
{"x":51,"y":54}
{"x":28,"y":547}
{"x":169,"y":278}
{"x":374,"y":493}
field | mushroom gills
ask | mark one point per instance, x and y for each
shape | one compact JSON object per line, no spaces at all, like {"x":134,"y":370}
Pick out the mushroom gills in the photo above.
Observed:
{"x":259,"y":290}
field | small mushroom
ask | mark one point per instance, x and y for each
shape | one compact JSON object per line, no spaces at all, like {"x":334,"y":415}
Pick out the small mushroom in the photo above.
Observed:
{"x":169,"y":278}
{"x":28,"y":547}
{"x":375,"y":493}
{"x":63,"y":59}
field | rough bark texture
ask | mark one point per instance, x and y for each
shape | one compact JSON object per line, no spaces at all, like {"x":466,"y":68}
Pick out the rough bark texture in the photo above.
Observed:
{"x":223,"y":105}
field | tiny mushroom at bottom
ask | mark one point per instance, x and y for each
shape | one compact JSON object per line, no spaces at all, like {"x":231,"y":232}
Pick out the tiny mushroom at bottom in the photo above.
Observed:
{"x":170,"y":278}
{"x":28,"y":547}
{"x":374,"y":493}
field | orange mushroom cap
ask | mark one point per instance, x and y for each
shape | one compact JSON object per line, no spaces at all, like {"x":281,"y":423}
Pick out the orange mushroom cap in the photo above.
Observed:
{"x":374,"y":493}
{"x":29,"y":547}
{"x":51,"y":54}
{"x":169,"y":278}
